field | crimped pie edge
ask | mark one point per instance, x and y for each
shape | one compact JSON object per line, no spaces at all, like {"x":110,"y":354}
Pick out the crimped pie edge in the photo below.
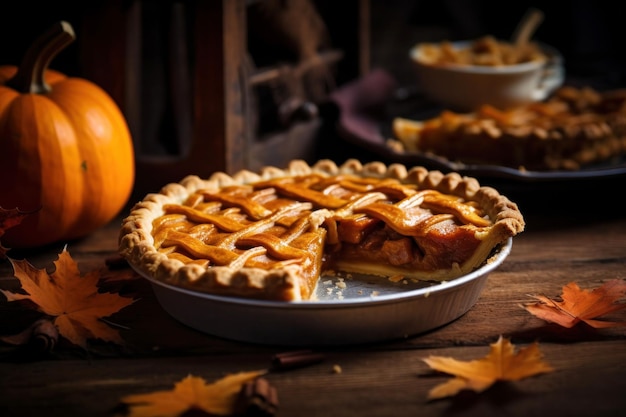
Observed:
{"x":136,"y":243}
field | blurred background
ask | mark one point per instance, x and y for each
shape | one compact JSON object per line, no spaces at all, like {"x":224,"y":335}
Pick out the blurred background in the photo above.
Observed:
{"x":232,"y":84}
{"x":588,"y":33}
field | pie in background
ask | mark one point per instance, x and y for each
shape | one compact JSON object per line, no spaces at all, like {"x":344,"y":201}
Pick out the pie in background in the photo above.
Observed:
{"x":572,"y":129}
{"x":271,"y":235}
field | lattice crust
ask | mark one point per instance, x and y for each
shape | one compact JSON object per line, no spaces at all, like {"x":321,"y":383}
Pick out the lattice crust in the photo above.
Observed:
{"x":576,"y":127}
{"x":269,"y":235}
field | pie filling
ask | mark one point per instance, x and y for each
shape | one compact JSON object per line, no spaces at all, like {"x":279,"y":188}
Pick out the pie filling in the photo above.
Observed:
{"x":272,"y":236}
{"x":574,"y":128}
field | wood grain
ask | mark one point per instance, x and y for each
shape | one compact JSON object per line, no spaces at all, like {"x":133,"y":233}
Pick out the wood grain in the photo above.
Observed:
{"x":381,"y":379}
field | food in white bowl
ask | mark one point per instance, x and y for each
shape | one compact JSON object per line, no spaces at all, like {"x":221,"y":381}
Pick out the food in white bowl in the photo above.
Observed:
{"x":465,"y":75}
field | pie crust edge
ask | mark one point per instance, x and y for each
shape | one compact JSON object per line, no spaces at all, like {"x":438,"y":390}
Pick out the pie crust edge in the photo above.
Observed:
{"x":589,"y":130}
{"x":136,"y":243}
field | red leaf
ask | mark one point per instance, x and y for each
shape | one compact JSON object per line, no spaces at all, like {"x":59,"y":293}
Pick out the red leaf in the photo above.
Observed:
{"x":580,"y":305}
{"x":8,"y":219}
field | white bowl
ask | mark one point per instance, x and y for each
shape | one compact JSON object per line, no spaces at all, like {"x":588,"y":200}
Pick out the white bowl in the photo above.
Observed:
{"x":467,"y":87}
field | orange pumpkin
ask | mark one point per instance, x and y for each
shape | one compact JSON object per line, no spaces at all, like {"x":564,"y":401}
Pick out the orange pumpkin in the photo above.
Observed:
{"x":66,"y":152}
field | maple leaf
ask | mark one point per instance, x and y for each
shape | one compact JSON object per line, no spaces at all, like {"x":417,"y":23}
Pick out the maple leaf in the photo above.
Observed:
{"x":192,"y":392}
{"x":73,"y":300}
{"x":9,"y":219}
{"x":501,"y":364}
{"x":578,"y":305}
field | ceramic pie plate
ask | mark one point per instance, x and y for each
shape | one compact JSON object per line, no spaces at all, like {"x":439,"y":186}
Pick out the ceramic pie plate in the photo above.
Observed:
{"x":348,"y":310}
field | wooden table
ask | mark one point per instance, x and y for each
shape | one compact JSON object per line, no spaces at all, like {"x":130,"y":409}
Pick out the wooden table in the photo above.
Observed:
{"x":385,"y":379}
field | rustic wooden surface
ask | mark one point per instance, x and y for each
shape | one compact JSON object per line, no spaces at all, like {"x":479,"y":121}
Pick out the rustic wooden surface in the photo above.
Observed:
{"x":385,"y":379}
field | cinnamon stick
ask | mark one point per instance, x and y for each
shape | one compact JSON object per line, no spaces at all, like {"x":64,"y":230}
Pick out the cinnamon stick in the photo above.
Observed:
{"x":296,"y":359}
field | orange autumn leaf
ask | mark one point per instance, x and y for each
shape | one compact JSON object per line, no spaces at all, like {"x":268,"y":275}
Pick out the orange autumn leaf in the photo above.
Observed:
{"x":73,"y":300}
{"x":501,"y":364}
{"x":191,"y":393}
{"x":579,"y":305}
{"x":8,"y":219}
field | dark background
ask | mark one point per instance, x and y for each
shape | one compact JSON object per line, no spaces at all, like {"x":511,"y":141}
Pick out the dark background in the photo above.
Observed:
{"x":590,"y":34}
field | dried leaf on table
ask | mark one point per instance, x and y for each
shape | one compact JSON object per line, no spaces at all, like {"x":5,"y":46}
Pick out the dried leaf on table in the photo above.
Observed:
{"x":10,"y":218}
{"x":73,"y":300}
{"x":501,"y":364}
{"x":582,"y":305}
{"x":191,"y":393}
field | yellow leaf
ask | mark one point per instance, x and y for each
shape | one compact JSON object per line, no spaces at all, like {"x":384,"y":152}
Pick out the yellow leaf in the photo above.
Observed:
{"x":191,"y":392}
{"x":73,"y":300}
{"x":501,"y":364}
{"x":578,"y":305}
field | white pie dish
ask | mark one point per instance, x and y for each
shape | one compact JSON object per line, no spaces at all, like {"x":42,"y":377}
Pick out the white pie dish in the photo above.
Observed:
{"x":340,"y":316}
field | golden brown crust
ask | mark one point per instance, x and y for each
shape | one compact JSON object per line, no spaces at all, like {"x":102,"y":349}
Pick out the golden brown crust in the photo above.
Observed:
{"x":137,"y":241}
{"x":576,"y":127}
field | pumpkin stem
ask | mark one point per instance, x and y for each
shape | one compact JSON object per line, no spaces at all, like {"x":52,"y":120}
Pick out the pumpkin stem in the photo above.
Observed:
{"x":30,"y":76}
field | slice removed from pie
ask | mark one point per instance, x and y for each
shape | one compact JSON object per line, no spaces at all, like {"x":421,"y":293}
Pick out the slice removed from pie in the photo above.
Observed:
{"x":270,"y":235}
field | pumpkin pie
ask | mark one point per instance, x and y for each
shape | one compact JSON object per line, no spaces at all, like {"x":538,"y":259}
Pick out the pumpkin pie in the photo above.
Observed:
{"x":270,"y":235}
{"x":576,"y":127}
